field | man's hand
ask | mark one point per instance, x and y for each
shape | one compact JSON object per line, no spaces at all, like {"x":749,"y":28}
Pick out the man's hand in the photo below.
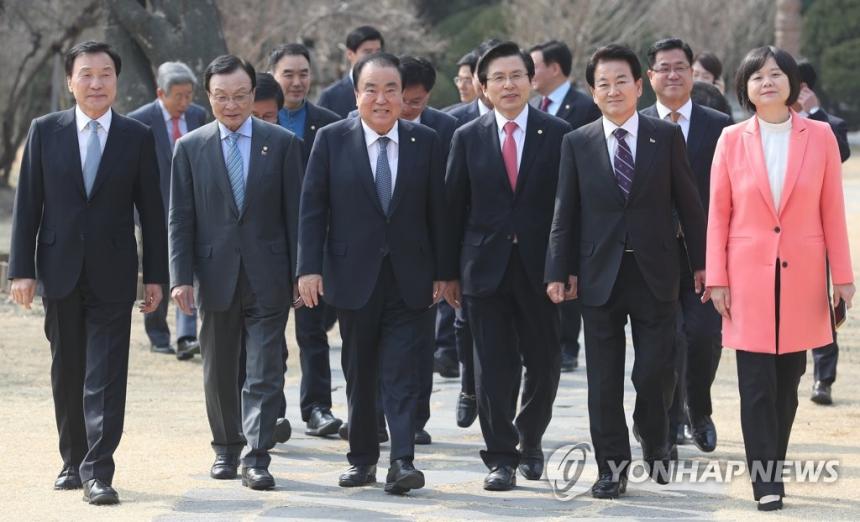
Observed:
{"x":452,"y":294}
{"x":721,"y":298}
{"x":844,"y":292}
{"x":152,"y":297}
{"x":439,"y":291}
{"x":559,"y":292}
{"x":23,"y":291}
{"x":807,"y":100}
{"x":699,"y":281}
{"x":183,"y":296}
{"x":311,"y":289}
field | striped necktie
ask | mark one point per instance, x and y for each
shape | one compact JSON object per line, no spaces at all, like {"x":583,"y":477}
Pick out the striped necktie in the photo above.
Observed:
{"x":235,"y":170}
{"x":623,"y":164}
{"x":383,"y":174}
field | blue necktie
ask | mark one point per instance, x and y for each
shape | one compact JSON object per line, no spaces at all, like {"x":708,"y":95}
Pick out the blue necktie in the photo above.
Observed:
{"x":94,"y":157}
{"x":235,"y":170}
{"x":383,"y":174}
{"x":623,"y":164}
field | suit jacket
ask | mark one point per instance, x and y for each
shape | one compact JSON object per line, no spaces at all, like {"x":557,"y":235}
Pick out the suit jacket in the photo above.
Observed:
{"x":210,"y":237}
{"x":706,"y":125}
{"x":466,"y":112}
{"x":443,"y":124}
{"x":488,"y":215}
{"x":152,"y":116}
{"x":593,"y":221}
{"x":840,"y":130}
{"x":57,"y":231}
{"x":339,"y":97}
{"x":747,"y":233}
{"x":344,"y":234}
{"x":316,"y":118}
{"x":576,"y":108}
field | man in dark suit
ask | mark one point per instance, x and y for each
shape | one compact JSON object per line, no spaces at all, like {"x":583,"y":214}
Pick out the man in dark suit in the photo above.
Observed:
{"x":290,"y":64}
{"x":825,"y":357}
{"x":553,"y":64}
{"x":233,"y":228}
{"x":698,"y":341}
{"x":339,"y":97}
{"x":613,"y":246}
{"x":466,"y":112}
{"x":171,"y":116}
{"x":501,"y":179}
{"x":84,"y":172}
{"x":463,"y":80}
{"x":373,"y":243}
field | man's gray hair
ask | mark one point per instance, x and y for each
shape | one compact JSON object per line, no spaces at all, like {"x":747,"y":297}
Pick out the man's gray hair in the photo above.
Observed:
{"x":174,"y":73}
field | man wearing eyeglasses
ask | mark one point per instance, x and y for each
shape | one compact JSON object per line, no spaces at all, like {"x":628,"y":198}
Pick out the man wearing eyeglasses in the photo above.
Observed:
{"x":501,"y":179}
{"x":233,"y":228}
{"x":699,"y":342}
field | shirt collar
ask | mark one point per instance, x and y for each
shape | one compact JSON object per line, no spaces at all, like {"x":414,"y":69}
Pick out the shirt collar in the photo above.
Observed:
{"x":631,"y":126}
{"x":685,"y":110}
{"x":482,"y":107}
{"x":243,"y":130}
{"x":82,"y":120}
{"x":167,"y":116}
{"x":370,"y":135}
{"x":418,"y":119}
{"x":559,"y":93}
{"x":521,"y":119}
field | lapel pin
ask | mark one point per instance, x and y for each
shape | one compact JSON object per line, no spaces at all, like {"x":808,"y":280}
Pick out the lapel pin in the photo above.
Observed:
{"x":651,"y":140}
{"x":540,"y":131}
{"x":567,"y":107}
{"x":265,"y":149}
{"x":313,"y":127}
{"x":412,"y":139}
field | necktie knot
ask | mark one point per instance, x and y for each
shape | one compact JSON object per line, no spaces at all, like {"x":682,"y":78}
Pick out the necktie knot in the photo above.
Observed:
{"x":383,"y":143}
{"x":232,"y":138}
{"x":675,"y":116}
{"x":620,"y":133}
{"x":510,"y":127}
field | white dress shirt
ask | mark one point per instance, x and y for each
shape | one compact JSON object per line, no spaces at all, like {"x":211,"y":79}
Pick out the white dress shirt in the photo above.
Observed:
{"x":482,"y":108}
{"x":774,"y":143}
{"x":371,"y":139}
{"x":684,"y":120}
{"x":243,"y":142}
{"x":168,"y":122}
{"x":556,"y":97}
{"x":519,"y":134}
{"x":631,"y":126}
{"x":81,"y":122}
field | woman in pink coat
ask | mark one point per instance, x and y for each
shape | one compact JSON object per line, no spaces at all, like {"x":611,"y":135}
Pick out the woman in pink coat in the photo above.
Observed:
{"x":777,"y":211}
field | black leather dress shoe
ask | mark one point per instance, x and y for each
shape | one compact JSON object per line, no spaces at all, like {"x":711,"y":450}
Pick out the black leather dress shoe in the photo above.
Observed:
{"x":705,"y":434}
{"x":68,"y":478}
{"x":683,"y":434}
{"x":531,"y":463}
{"x":605,"y":487}
{"x":422,"y":437}
{"x":321,"y":423}
{"x":343,"y":431}
{"x":821,"y":394}
{"x":402,"y":477}
{"x":186,"y":348}
{"x":659,"y":470}
{"x":357,"y":476}
{"x":568,"y":362}
{"x":467,"y":410}
{"x":98,"y":493}
{"x":225,"y":467}
{"x":164,"y":349}
{"x":773,"y":505}
{"x":257,"y":478}
{"x":283,"y":430}
{"x":501,"y":478}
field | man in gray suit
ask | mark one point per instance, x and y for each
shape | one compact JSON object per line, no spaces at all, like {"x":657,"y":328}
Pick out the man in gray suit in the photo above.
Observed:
{"x":171,"y":116}
{"x":233,"y":226}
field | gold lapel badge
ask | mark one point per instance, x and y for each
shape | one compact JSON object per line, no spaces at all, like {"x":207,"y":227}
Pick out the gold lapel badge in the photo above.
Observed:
{"x":651,"y":140}
{"x":265,"y":149}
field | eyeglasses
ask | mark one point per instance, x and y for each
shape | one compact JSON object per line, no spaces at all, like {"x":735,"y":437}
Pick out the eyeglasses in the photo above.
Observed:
{"x":678,"y":69}
{"x":238,"y":99}
{"x":462,"y":79}
{"x":501,"y":79}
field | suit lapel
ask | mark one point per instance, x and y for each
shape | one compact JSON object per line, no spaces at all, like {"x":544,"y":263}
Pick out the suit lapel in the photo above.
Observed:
{"x":361,"y":160}
{"x":159,"y":128}
{"x":696,"y":132}
{"x":405,"y":163}
{"x":600,"y":152}
{"x":646,"y":146}
{"x":755,"y":159}
{"x":257,"y":161}
{"x":566,"y":107}
{"x":490,"y":137}
{"x":111,"y":152}
{"x":219,"y":167}
{"x":531,"y":145}
{"x":69,"y":148}
{"x":796,"y":151}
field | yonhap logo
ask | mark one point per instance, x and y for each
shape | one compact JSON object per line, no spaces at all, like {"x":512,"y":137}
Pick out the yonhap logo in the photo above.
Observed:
{"x":570,"y":471}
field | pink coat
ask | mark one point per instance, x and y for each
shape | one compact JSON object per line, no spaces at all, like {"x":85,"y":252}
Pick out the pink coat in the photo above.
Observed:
{"x":746,"y":235}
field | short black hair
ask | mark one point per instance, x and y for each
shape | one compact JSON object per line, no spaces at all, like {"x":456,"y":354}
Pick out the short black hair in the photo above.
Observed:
{"x":362,"y":34}
{"x":290,"y":49}
{"x":610,"y":53}
{"x":382,"y":59}
{"x":417,"y":71}
{"x":504,"y":50}
{"x":667,"y":44}
{"x":708,"y":95}
{"x":710,"y":63}
{"x":807,"y":73}
{"x":226,"y":64}
{"x":268,"y":89}
{"x":469,"y":59}
{"x":91,"y":47}
{"x":754,"y":60}
{"x":558,"y":52}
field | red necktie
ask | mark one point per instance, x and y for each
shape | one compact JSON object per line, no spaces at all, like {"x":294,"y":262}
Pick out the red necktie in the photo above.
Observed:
{"x":509,"y":153}
{"x":175,"y":133}
{"x":544,"y":103}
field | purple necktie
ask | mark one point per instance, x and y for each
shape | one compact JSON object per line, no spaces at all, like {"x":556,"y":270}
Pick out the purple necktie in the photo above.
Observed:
{"x":623,"y":163}
{"x":544,"y":103}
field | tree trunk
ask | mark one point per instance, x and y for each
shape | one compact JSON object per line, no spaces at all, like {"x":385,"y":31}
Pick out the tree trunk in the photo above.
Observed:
{"x":789,"y":24}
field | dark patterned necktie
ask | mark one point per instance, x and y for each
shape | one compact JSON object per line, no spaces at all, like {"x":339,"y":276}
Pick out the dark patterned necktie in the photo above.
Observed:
{"x":383,"y":174}
{"x":623,"y":164}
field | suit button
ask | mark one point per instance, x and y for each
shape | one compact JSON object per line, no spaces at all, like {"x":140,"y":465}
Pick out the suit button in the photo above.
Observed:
{"x":785,"y":264}
{"x":777,"y":230}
